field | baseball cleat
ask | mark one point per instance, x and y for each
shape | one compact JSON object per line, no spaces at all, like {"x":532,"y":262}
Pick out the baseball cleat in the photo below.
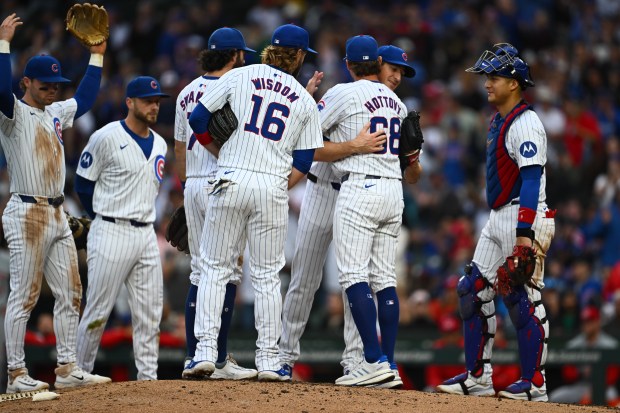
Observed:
{"x":525,"y":390}
{"x":284,"y":374}
{"x":367,"y":374}
{"x":197,"y":370}
{"x":71,"y":375}
{"x":395,"y":383}
{"x":20,"y":381}
{"x":230,"y":370}
{"x":465,"y":384}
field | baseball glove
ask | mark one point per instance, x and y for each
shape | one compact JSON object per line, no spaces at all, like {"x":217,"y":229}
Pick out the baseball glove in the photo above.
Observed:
{"x":176,"y":231}
{"x":516,"y":270}
{"x":88,"y":23}
{"x":79,"y":229}
{"x":411,"y":139}
{"x":222,"y":124}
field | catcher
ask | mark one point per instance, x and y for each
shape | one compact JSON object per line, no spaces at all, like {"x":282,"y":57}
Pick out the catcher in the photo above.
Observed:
{"x":520,"y":226}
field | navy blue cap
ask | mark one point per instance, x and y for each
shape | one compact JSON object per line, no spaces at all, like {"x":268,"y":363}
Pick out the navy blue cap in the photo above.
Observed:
{"x":396,"y":56}
{"x":44,"y":68}
{"x":228,"y":38}
{"x":362,"y":48}
{"x":144,"y":87}
{"x":290,"y":35}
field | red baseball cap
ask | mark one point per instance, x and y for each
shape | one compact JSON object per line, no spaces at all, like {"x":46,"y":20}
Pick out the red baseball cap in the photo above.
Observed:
{"x":590,"y":313}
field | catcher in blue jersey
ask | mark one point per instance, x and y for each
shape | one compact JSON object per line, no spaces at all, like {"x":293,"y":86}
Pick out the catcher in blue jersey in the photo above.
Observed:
{"x":520,"y":227}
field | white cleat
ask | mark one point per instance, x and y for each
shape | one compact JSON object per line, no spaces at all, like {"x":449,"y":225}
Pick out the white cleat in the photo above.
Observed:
{"x":366,"y":374}
{"x":20,"y":381}
{"x":525,"y":390}
{"x":395,"y":383}
{"x":233,"y":371}
{"x":464,"y":384}
{"x":71,"y":375}
{"x":198,"y":370}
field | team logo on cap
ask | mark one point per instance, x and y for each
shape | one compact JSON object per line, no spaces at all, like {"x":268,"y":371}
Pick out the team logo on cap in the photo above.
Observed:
{"x":405,"y":57}
{"x":54,"y":68}
{"x":365,"y":57}
{"x":528,"y":149}
{"x":160,"y":161}
{"x":277,"y":41}
{"x":153,"y":84}
{"x":58,"y":130}
{"x":86,"y":160}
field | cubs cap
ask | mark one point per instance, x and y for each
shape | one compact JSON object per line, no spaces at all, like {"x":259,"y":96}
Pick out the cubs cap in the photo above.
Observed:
{"x":396,"y":56}
{"x":228,"y":38}
{"x":362,"y":48}
{"x":44,"y":68}
{"x":290,"y":35}
{"x":144,"y":87}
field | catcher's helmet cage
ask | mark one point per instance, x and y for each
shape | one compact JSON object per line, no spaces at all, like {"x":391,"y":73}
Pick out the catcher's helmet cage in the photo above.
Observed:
{"x":503,"y":60}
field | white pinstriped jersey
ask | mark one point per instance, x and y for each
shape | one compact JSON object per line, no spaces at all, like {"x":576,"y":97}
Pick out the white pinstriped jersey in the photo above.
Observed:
{"x":323,"y":171}
{"x":127,"y":182}
{"x":199,"y":161}
{"x":276,"y":116}
{"x":361,"y":102}
{"x":33,"y":145}
{"x":527,"y":145}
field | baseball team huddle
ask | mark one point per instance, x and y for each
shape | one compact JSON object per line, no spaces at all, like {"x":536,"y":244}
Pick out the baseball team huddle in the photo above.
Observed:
{"x":245,"y":135}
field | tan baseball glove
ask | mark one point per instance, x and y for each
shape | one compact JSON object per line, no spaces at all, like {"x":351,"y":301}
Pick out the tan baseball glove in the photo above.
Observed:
{"x":88,"y":23}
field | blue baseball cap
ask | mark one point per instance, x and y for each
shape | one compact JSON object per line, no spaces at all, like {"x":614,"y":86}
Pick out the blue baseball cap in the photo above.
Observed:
{"x":362,"y":48}
{"x":290,"y":35}
{"x":396,"y":56}
{"x":44,"y":68}
{"x":228,"y":38}
{"x":144,"y":87}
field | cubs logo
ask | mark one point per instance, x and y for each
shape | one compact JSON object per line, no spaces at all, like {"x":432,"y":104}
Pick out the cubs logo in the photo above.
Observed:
{"x":86,"y":160}
{"x":321,"y":105}
{"x":153,"y":84}
{"x":160,"y":161}
{"x":405,"y":57}
{"x":528,"y":149}
{"x":54,"y":68}
{"x":58,"y":130}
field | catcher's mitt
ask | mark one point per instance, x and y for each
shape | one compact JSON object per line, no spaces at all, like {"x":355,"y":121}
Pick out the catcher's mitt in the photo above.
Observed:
{"x":411,"y":139}
{"x":222,"y":124}
{"x":79,"y":229}
{"x":176,"y":231}
{"x":516,"y":270}
{"x":88,"y":23}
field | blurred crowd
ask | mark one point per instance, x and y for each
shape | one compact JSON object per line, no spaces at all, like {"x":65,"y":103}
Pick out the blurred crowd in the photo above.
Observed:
{"x":572,"y":47}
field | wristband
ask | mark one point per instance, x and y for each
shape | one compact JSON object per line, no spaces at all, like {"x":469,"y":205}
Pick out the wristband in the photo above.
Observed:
{"x":4,"y":47}
{"x":96,"y":59}
{"x":204,"y":138}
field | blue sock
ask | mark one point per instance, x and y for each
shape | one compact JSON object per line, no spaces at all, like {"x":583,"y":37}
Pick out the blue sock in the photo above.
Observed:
{"x":387,"y":303}
{"x":365,"y":316}
{"x":190,"y":318}
{"x":227,"y":313}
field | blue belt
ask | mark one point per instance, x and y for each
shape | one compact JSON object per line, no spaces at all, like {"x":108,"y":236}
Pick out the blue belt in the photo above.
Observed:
{"x":133,"y":222}
{"x":314,"y":179}
{"x":55,"y":202}
{"x":345,"y":177}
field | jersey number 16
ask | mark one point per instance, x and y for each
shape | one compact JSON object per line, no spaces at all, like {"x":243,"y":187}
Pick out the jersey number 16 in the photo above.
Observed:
{"x":272,"y":126}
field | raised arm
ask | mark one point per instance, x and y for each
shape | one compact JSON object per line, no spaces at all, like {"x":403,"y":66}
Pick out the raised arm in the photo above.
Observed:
{"x":88,"y":89}
{"x":7,"y":31}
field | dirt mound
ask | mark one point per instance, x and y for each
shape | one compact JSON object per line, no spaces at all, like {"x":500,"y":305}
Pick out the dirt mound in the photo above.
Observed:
{"x":246,"y":397}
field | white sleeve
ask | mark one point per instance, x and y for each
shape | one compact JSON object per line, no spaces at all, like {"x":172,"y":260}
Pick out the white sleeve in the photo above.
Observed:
{"x":93,"y":158}
{"x":216,"y":93}
{"x":311,"y":136}
{"x":526,"y":141}
{"x":7,"y":125}
{"x":65,"y":111}
{"x":180,"y":121}
{"x":333,"y":107}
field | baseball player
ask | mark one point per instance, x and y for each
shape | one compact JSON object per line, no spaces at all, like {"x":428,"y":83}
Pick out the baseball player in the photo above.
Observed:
{"x":226,"y":50}
{"x":368,"y":211}
{"x":35,"y":227}
{"x":118,"y":178}
{"x":314,"y":233}
{"x":270,"y":151}
{"x":516,"y":156}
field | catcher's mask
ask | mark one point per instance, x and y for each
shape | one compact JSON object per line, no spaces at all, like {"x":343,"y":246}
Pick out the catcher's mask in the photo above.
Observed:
{"x":503,"y":60}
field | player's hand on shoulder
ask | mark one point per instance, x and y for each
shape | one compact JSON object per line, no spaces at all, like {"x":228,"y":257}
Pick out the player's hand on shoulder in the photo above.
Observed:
{"x":8,"y":26}
{"x":314,"y":82}
{"x":367,"y":142}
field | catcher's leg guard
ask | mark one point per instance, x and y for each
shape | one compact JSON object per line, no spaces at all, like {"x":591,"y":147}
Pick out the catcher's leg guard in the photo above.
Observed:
{"x":478,"y":313}
{"x":529,"y":318}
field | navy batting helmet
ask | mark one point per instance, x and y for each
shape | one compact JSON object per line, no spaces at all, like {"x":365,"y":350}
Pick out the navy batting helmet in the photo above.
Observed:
{"x":504,"y":60}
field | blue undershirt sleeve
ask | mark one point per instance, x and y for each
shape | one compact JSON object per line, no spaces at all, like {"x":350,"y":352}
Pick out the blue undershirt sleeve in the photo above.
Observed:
{"x":302,"y":159}
{"x":530,"y":187}
{"x":85,"y":189}
{"x":199,"y":119}
{"x":7,"y":100}
{"x":88,"y":89}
